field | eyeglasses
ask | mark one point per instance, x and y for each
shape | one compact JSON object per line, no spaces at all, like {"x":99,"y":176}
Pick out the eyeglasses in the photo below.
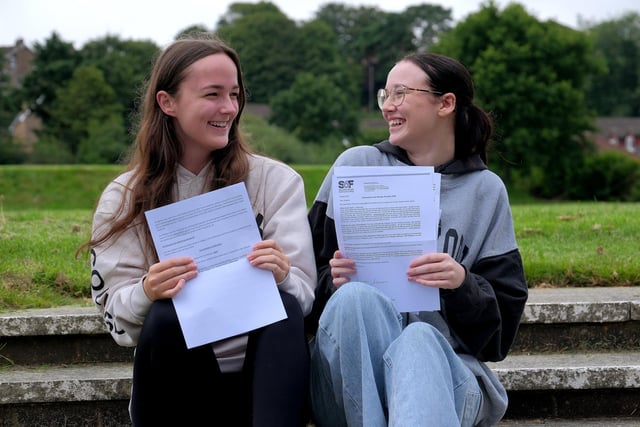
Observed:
{"x":397,"y":95}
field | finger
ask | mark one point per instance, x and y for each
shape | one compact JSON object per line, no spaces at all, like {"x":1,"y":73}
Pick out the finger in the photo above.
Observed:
{"x":269,"y":250}
{"x":267,"y":244}
{"x":174,"y":273}
{"x":342,"y":271}
{"x":342,"y":263}
{"x":173,"y":291}
{"x":278,"y":263}
{"x":275,"y":258}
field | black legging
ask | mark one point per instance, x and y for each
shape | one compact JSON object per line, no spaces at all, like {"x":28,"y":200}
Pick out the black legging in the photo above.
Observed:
{"x":176,"y":386}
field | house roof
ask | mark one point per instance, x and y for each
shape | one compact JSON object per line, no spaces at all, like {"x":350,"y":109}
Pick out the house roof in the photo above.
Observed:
{"x":618,"y":125}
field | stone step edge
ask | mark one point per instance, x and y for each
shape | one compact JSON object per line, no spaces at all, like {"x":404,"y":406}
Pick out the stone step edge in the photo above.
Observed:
{"x":570,"y":371}
{"x":582,"y":305}
{"x":545,"y":305}
{"x":75,"y":383}
{"x":112,"y":381}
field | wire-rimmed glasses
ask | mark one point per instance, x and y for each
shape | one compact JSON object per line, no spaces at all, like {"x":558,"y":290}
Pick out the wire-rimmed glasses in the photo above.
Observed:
{"x":397,"y":94}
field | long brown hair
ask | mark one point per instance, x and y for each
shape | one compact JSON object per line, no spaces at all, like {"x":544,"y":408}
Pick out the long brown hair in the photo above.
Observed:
{"x":156,"y":152}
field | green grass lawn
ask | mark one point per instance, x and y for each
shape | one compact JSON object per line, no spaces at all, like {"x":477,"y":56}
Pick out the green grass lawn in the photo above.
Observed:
{"x":45,"y":214}
{"x":579,"y":244}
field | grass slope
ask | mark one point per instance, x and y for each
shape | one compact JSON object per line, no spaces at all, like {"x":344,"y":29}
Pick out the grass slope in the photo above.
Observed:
{"x":45,"y":214}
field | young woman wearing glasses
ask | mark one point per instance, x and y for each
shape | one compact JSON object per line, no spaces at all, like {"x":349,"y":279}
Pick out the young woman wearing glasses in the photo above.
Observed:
{"x":373,"y":366}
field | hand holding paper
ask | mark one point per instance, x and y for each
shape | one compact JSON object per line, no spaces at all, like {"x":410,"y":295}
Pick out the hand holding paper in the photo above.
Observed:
{"x":229,"y":296}
{"x":385,"y":217}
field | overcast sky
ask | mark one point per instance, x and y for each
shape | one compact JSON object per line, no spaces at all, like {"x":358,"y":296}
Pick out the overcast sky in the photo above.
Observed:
{"x":79,"y":21}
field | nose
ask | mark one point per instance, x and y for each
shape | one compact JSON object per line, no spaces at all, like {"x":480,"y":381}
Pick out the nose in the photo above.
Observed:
{"x":387,"y":105}
{"x":229,"y":105}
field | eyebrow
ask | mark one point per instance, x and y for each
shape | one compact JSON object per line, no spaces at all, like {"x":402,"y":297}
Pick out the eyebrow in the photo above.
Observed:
{"x":218,"y":86}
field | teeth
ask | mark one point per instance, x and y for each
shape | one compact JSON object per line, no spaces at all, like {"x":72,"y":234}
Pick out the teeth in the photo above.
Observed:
{"x":218,"y":124}
{"x":395,"y":122}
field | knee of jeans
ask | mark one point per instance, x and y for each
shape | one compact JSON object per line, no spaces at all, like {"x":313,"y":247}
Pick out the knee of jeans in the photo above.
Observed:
{"x":357,"y":303}
{"x":422,"y":334}
{"x":354,"y":295}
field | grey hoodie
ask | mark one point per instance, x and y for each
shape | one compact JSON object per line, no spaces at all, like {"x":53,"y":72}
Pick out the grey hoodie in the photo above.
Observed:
{"x":481,"y":318}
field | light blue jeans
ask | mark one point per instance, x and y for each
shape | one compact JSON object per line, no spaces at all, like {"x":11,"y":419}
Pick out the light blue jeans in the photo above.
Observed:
{"x":366,"y":370}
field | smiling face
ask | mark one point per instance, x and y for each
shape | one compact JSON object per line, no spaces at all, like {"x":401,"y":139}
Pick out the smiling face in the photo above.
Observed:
{"x":423,"y":123}
{"x":204,"y":108}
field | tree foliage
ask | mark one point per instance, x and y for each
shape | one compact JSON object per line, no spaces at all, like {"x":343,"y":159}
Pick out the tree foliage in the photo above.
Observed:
{"x":616,"y":93}
{"x":105,"y":141}
{"x":531,"y":75}
{"x":125,"y":65}
{"x":192,"y":29}
{"x":9,"y":103}
{"x":541,"y":81}
{"x":265,"y":39}
{"x":374,"y":40}
{"x":316,"y":48}
{"x":427,"y":23}
{"x":315,"y":109}
{"x":86,"y":99}
{"x":54,"y":64}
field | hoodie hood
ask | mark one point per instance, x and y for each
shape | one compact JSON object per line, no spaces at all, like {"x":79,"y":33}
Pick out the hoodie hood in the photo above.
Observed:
{"x":455,"y":166}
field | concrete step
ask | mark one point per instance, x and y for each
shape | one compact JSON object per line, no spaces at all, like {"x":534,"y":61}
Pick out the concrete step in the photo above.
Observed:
{"x":580,"y":319}
{"x":554,"y":320}
{"x":550,"y":385}
{"x":577,"y":355}
{"x":66,"y":383}
{"x":60,"y":335}
{"x":99,"y":381}
{"x":568,"y":385}
{"x":567,"y":371}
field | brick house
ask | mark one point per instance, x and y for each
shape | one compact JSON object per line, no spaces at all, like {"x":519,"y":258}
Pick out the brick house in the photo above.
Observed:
{"x":622,"y":133}
{"x":17,"y":62}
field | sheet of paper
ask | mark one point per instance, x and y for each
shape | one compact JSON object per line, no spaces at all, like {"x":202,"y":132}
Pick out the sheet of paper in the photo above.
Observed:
{"x":229,"y":296}
{"x":385,"y":217}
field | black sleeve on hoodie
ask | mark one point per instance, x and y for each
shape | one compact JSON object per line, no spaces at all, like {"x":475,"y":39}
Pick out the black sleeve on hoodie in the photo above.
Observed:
{"x":325,"y":243}
{"x":484,"y":313}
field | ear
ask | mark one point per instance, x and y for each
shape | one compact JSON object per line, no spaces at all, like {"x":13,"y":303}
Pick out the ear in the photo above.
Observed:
{"x":165,"y":101}
{"x":447,"y":103}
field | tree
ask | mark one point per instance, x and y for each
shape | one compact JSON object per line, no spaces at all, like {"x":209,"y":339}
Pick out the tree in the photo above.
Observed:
{"x":616,"y":93}
{"x":105,"y":142}
{"x":316,"y":48}
{"x":265,"y":39}
{"x":86,"y":99}
{"x":125,"y":65}
{"x":427,"y":23}
{"x":54,"y":63}
{"x":531,"y":75}
{"x":9,"y":102}
{"x":374,"y":40}
{"x":241,"y":10}
{"x":315,"y":109}
{"x":11,"y":151}
{"x":192,"y":29}
{"x":364,"y":36}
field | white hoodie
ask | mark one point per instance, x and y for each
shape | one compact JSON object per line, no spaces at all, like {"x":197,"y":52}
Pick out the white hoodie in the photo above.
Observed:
{"x":276,"y":193}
